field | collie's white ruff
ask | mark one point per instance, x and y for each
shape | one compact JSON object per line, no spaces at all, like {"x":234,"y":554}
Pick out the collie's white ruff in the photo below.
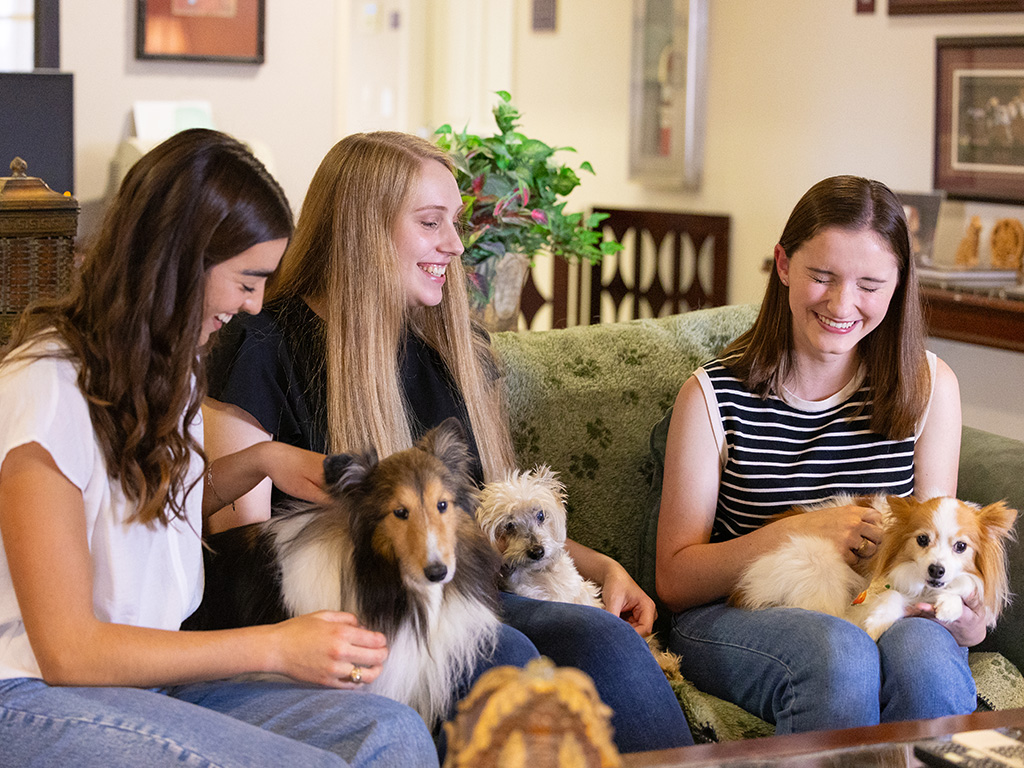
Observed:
{"x":422,"y":668}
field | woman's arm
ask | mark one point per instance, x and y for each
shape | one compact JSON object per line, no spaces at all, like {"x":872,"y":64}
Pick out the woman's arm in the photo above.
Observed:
{"x":690,"y":570}
{"x":622,"y":596}
{"x":228,"y":429}
{"x":937,"y":453}
{"x":295,"y":471}
{"x":42,"y":523}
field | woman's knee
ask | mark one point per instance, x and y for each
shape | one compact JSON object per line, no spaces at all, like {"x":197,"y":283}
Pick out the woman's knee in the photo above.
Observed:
{"x":925,"y":673}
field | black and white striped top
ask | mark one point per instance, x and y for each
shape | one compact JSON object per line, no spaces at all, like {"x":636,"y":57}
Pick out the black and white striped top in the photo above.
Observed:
{"x":779,"y":452}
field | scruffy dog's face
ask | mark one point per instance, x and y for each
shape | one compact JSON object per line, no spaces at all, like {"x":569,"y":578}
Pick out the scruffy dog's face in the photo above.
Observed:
{"x":524,"y":517}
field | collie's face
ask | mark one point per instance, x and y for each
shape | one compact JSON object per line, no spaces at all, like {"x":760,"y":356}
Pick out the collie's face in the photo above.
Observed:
{"x":412,"y":508}
{"x":418,"y":517}
{"x":934,"y":543}
{"x":524,"y":517}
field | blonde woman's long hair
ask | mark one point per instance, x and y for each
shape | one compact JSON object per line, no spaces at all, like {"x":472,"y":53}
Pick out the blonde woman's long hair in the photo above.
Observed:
{"x":343,"y":259}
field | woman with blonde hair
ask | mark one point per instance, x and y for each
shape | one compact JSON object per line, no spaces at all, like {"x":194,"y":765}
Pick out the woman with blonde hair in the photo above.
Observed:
{"x":104,"y":486}
{"x":366,"y":341}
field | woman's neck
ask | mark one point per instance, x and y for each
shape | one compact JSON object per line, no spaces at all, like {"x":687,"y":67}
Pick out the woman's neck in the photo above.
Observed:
{"x":819,"y":379}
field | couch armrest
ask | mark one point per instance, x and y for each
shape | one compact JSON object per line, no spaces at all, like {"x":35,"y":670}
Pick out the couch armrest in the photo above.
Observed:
{"x":991,"y":469}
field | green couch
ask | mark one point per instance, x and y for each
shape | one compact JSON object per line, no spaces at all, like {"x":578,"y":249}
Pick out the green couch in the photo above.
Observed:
{"x":590,"y":402}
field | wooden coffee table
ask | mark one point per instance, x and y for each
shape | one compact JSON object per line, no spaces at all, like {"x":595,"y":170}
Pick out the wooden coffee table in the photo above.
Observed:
{"x":873,"y":745}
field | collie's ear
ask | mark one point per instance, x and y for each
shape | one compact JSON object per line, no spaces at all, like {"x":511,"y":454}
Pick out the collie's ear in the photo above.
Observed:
{"x":998,"y":519}
{"x":447,"y":441}
{"x":344,"y":470}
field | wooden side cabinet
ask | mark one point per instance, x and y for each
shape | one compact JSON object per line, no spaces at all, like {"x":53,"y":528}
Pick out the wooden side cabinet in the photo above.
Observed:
{"x":974,"y":318}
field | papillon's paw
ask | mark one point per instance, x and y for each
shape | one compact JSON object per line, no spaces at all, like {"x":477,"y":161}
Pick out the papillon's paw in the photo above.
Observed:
{"x":948,"y":607}
{"x":876,"y":625}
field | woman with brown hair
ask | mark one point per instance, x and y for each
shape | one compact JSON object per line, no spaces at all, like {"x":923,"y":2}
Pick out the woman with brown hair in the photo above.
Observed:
{"x":831,"y":392}
{"x":104,"y":486}
{"x":366,"y":341}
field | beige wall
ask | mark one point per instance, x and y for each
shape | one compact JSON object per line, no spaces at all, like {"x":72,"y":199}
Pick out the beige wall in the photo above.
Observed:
{"x":798,"y":90}
{"x":288,"y":103}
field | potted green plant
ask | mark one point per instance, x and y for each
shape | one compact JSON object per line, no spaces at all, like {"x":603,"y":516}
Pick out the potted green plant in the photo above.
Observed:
{"x":514,"y":195}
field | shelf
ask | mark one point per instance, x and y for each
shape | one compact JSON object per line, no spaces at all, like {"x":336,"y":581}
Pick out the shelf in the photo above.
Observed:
{"x":973,"y":318}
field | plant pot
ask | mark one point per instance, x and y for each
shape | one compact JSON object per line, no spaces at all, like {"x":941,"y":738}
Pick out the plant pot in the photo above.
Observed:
{"x":495,"y":289}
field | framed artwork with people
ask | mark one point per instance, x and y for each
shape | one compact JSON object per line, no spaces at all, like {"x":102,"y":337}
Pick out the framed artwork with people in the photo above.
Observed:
{"x":979,"y":118}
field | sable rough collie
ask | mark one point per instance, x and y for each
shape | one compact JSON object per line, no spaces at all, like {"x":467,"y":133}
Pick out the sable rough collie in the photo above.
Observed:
{"x":938,"y":551}
{"x":397,"y":545}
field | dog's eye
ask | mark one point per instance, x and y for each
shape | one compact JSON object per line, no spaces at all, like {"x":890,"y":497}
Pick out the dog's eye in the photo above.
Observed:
{"x":442,"y":506}
{"x":510,"y":528}
{"x":922,"y":540}
{"x":402,"y":513}
{"x":540,"y":516}
{"x":960,"y":547}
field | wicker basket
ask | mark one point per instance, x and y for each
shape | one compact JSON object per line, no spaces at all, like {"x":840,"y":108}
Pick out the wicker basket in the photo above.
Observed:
{"x":37,"y":236}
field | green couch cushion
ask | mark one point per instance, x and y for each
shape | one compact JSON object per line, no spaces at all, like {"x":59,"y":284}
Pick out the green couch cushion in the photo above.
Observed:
{"x":583,"y":400}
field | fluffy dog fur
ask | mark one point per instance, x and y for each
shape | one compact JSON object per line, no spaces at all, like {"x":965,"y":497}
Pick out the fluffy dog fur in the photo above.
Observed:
{"x":396,"y":545}
{"x":524,"y":517}
{"x":938,"y":551}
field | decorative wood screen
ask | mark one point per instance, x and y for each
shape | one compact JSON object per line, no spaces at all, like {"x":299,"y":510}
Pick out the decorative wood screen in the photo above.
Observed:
{"x":671,"y":262}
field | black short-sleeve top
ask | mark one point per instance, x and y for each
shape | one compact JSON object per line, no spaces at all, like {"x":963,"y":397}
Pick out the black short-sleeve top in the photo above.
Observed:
{"x":271,"y":365}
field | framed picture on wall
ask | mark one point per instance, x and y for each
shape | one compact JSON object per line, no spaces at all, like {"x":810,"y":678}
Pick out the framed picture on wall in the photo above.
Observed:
{"x":979,"y":118}
{"x":904,"y":7}
{"x":668,"y":89}
{"x":200,"y":30}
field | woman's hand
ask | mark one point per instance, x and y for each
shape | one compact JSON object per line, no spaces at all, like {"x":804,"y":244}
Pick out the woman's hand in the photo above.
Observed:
{"x":621,"y":595}
{"x":295,"y":471}
{"x":968,"y":630}
{"x":324,"y":647}
{"x":856,"y":531}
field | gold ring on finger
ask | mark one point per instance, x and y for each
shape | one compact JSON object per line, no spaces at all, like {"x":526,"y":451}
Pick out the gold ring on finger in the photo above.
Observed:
{"x":356,"y":675}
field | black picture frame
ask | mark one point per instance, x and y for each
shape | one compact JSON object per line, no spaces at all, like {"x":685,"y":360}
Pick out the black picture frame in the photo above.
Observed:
{"x":224,"y":31}
{"x":979,"y":128}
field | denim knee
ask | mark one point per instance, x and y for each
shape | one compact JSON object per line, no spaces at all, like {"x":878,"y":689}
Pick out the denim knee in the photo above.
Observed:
{"x":834,"y":679}
{"x":925,"y":673}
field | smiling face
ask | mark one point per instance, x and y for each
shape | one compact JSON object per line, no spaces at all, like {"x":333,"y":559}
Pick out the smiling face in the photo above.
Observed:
{"x":426,"y":234}
{"x":840,"y":285}
{"x":236,"y":285}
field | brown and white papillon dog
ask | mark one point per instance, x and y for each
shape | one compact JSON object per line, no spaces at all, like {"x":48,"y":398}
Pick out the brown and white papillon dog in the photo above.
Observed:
{"x":397,"y":546}
{"x":938,"y":551}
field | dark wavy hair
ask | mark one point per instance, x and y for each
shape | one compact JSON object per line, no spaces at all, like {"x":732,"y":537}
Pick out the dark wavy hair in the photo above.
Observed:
{"x":133,"y":320}
{"x":893,"y":353}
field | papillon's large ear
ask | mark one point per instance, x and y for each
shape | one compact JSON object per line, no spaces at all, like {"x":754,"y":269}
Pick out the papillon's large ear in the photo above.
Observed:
{"x":998,"y":519}
{"x":447,"y":441}
{"x":342,"y":471}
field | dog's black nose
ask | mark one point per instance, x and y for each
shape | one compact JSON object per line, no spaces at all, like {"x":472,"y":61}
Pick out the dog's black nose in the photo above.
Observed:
{"x":436,"y":571}
{"x":535,"y":553}
{"x":936,"y":570}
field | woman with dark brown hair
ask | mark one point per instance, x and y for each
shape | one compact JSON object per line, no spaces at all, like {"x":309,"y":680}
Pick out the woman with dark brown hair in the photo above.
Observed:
{"x":104,"y":486}
{"x":831,"y":392}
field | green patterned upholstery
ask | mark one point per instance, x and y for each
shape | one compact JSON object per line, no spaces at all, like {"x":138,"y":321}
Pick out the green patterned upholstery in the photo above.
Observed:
{"x":584,"y":401}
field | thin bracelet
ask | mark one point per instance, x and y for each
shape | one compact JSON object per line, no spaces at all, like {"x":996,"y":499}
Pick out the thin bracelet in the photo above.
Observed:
{"x":218,"y":497}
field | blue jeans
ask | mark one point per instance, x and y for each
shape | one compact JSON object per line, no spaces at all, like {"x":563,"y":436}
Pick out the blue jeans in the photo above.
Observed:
{"x":647,"y":714}
{"x":807,"y":671}
{"x":219,"y":723}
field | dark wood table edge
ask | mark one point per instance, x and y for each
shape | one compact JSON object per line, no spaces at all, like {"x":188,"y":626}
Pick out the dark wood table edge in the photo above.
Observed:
{"x":822,"y":741}
{"x":974,"y":319}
